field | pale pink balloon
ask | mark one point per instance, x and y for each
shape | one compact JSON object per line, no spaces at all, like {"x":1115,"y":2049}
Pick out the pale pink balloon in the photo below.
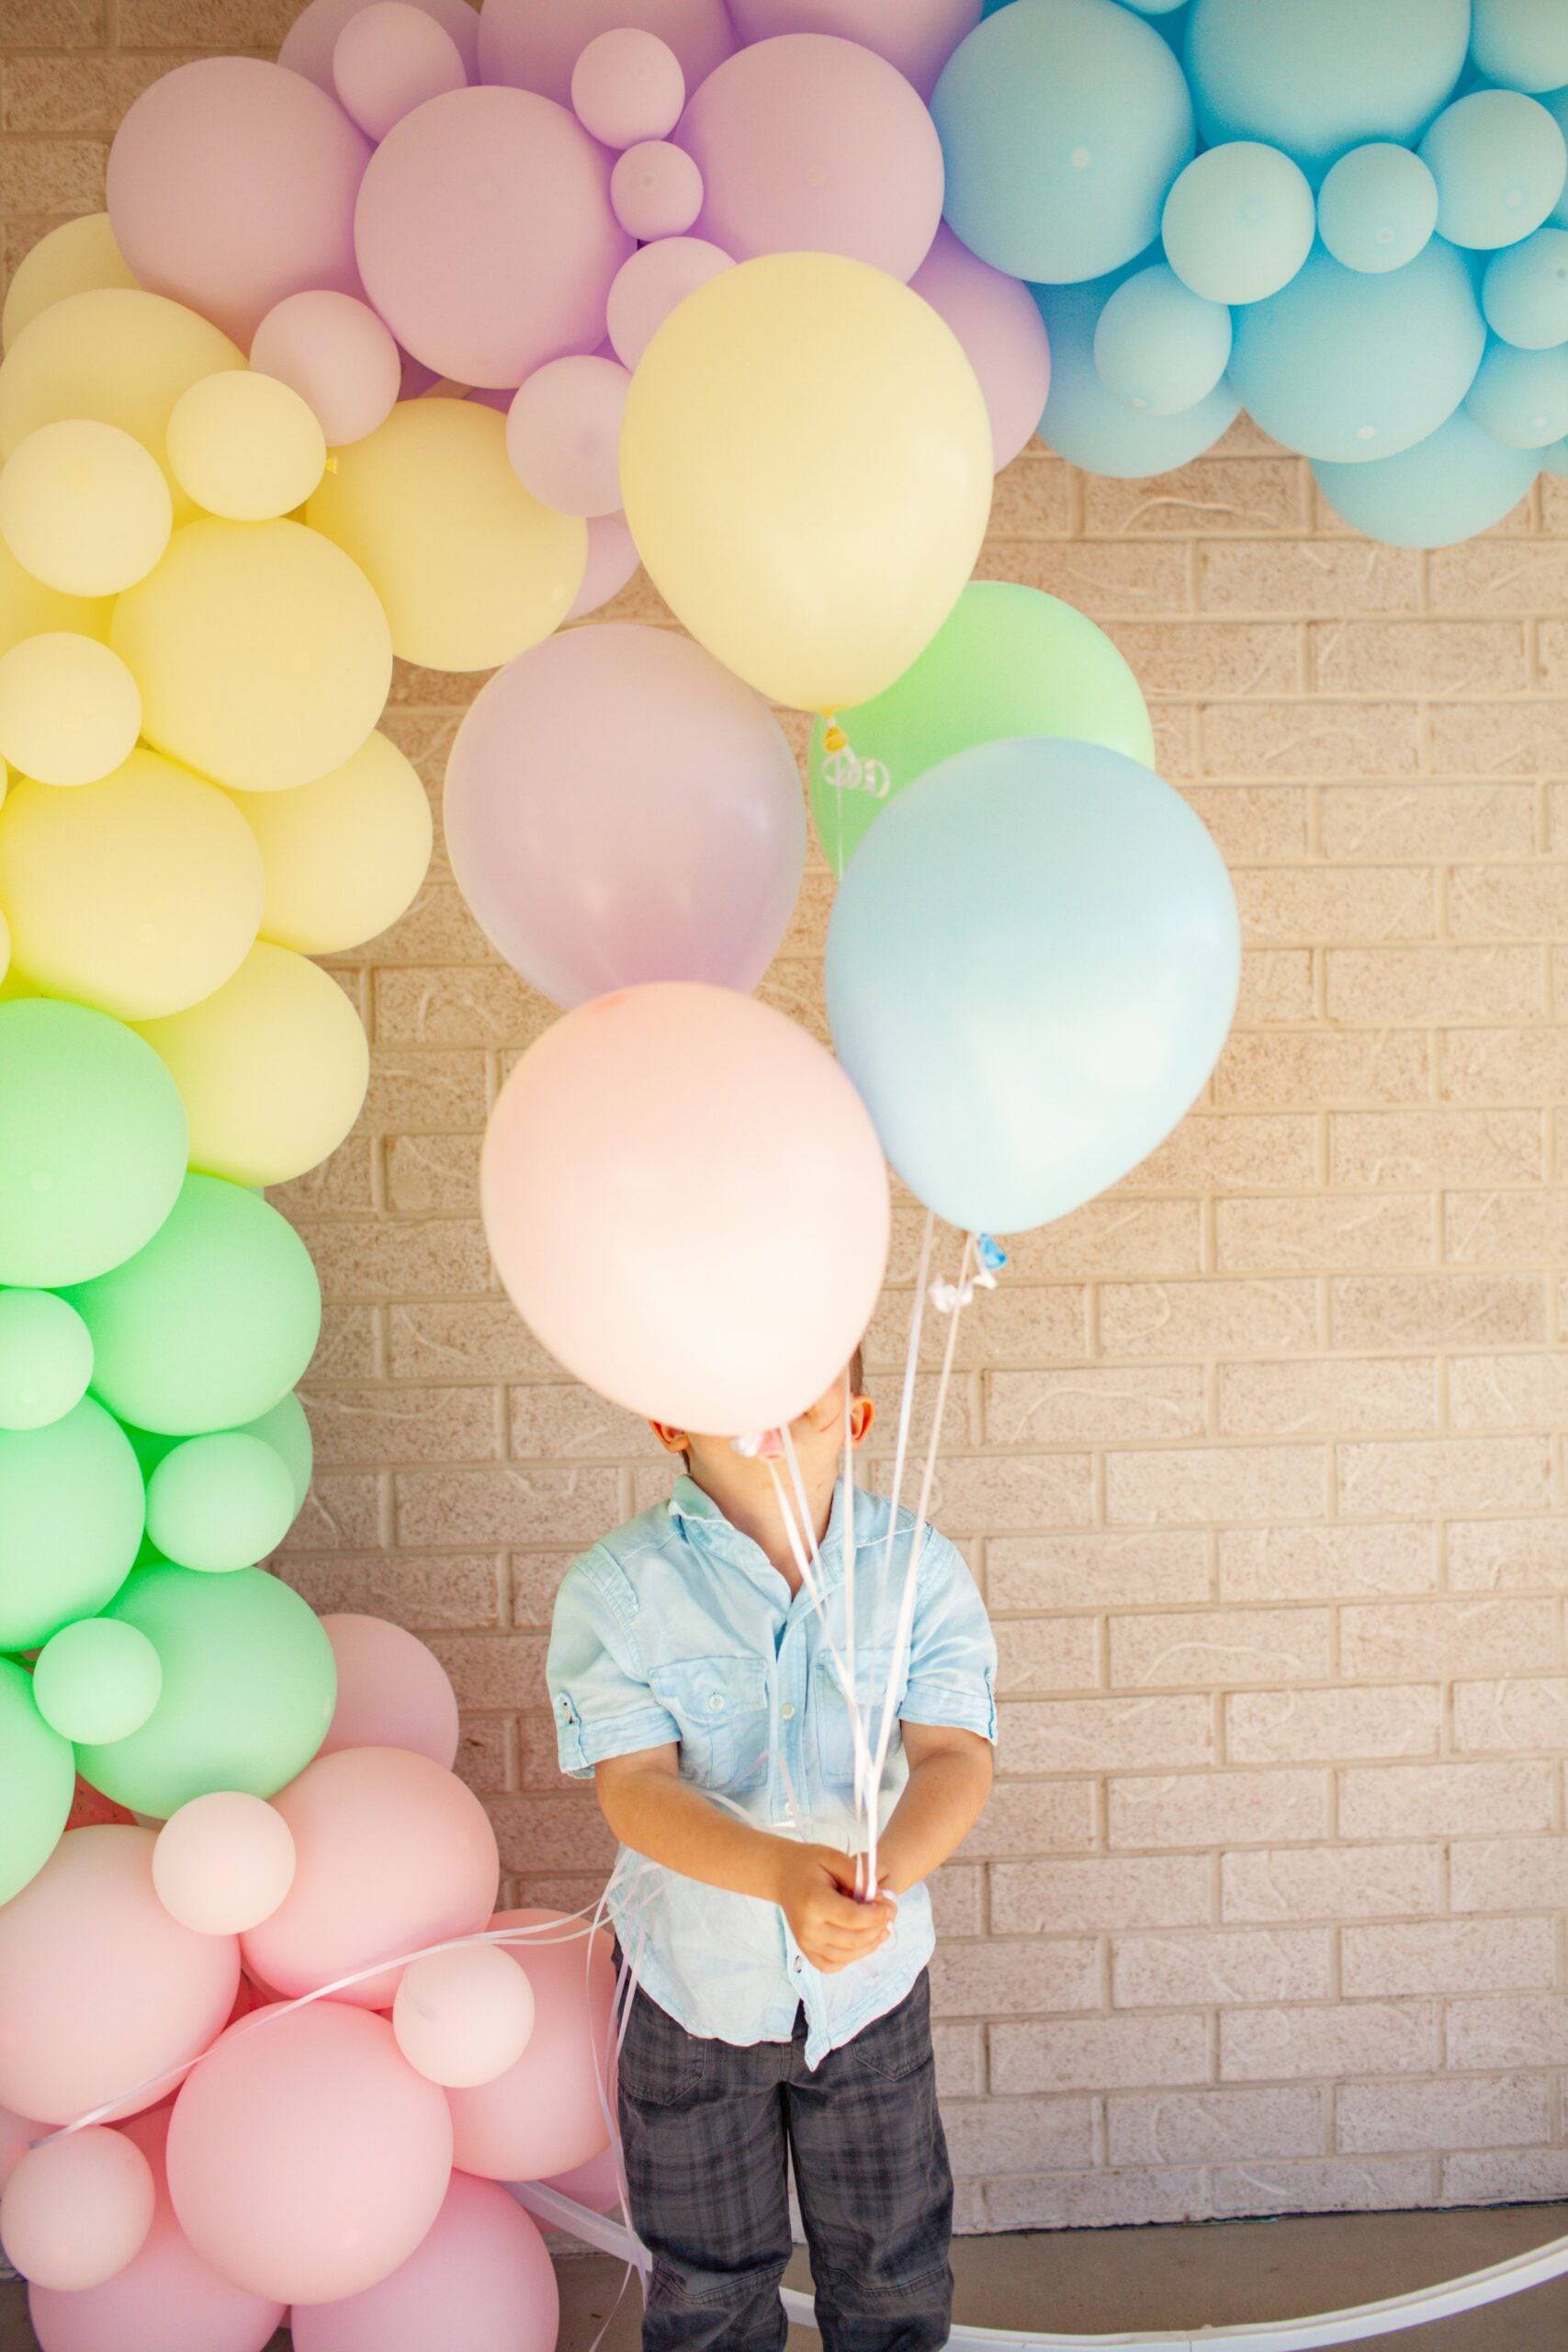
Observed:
{"x":231,"y":184}
{"x":612,"y":560}
{"x":392,"y":1691}
{"x":306,"y":2159}
{"x":390,"y":58}
{"x":563,"y":435}
{"x":544,"y":2115}
{"x":338,"y":355}
{"x":223,"y":1862}
{"x":307,"y":47}
{"x":477,"y":2282}
{"x":17,"y":2134}
{"x":463,"y":2016}
{"x":916,"y":35}
{"x":167,"y":2299}
{"x":656,"y":189}
{"x":628,"y":85}
{"x":654,"y":282}
{"x":812,"y":144}
{"x":102,"y":1995}
{"x":997,"y":321}
{"x":77,"y":2210}
{"x":619,"y":808}
{"x":596,"y":2184}
{"x":485,"y":235}
{"x":392,"y":1853}
{"x":536,"y":48}
{"x":736,"y":1254}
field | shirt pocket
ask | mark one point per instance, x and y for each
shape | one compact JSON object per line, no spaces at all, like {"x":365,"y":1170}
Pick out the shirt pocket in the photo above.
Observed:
{"x":721,"y":1705}
{"x":835,"y":1724}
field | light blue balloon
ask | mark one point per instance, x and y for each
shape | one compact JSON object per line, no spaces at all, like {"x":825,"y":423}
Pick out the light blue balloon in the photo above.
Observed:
{"x":1456,"y":483}
{"x":1500,"y":163}
{"x":1318,"y":76}
{"x":1525,"y":291}
{"x":1553,"y":460}
{"x":1063,"y":124}
{"x":1522,"y":44}
{"x":1556,"y":105}
{"x":1522,"y":397}
{"x":1349,"y":367}
{"x":1377,"y":208}
{"x":1087,"y":424}
{"x":1031,"y":966}
{"x":1159,"y":347}
{"x":1239,"y":223}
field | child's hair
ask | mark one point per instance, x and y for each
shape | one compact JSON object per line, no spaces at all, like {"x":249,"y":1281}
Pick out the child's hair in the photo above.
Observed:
{"x":857,"y":1382}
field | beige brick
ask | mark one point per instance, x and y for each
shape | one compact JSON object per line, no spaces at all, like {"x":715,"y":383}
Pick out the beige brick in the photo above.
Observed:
{"x":432,"y":1175}
{"x":1126,"y":581}
{"x":958,"y":1899}
{"x":1181,"y":1648}
{"x":485,"y":1761}
{"x":1499,"y":2112}
{"x":1422,"y":984}
{"x":1307,"y":577}
{"x":1490,"y":738}
{"x":1418,"y":657}
{"x":1447,"y":1637}
{"x":1444,"y":1799}
{"x":1014,"y":2135}
{"x":1359,"y":2038}
{"x":1403,"y":1148}
{"x":1315,"y":742}
{"x":1130,"y":1891}
{"x":1223,"y":1967}
{"x":1436,"y":1310}
{"x":1319,"y":905}
{"x":1522,"y":1713}
{"x":1489,"y":575}
{"x":364,"y":1259}
{"x":1450,"y":1956}
{"x":1036,"y":1976}
{"x":425,"y":1093}
{"x":1090,"y":1405}
{"x":1508,"y":1874}
{"x":494,"y":1670}
{"x":1322,"y":1727}
{"x":1048,"y":1654}
{"x":1211,"y":658}
{"x":1509,"y":2030}
{"x":1493,"y":1229}
{"x":1105,"y":1734}
{"x":1502,"y":1065}
{"x":1386,"y":1066}
{"x":1531,"y":2177}
{"x":212,"y":24}
{"x":1096,"y":2200}
{"x":1101,"y":2054}
{"x":54,"y":24}
{"x":1250,"y":496}
{"x":1187,"y":1485}
{"x":1020,"y":1324}
{"x":1007,"y":1492}
{"x":1173,"y":1320}
{"x":509,"y":1503}
{"x":1426,"y":820}
{"x":344,"y":1512}
{"x":960,"y":2054}
{"x":1106,"y":1569}
{"x":1118,"y":1234}
{"x":472,"y":1340}
{"x":1204,"y":2127}
{"x":1328,"y":1396}
{"x":1031,"y":1818}
{"x":417,"y":1591}
{"x":1239,"y":1150}
{"x":1253,"y":824}
{"x":1276,"y":986}
{"x":1221,"y":1808}
{"x":484,"y":1004}
{"x":1335,"y":2184}
{"x":1444,"y":1475}
{"x":1329,"y":1232}
{"x":1509,"y":901}
{"x":382,"y":1424}
{"x":1032,"y":497}
{"x":1325,"y":1563}
{"x":1331,"y":1883}
{"x":349,"y":1345}
{"x":536,"y":1832}
{"x":570,"y":1424}
{"x":52,"y":174}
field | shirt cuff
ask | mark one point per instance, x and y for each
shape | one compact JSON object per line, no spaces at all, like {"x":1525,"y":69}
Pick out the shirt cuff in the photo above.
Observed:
{"x":580,"y":1745}
{"x":951,"y":1706}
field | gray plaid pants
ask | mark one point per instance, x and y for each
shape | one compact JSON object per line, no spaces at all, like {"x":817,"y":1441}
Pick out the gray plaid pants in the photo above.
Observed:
{"x":705,"y":2126}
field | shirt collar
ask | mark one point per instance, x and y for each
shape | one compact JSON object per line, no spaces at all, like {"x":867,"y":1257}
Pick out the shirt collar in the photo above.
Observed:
{"x":694,"y":1511}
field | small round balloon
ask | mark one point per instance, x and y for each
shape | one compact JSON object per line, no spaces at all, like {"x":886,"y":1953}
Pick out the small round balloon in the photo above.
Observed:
{"x":97,"y":1679}
{"x":77,"y":2209}
{"x":481,"y":2276}
{"x":46,"y":1359}
{"x":1239,"y":222}
{"x":390,"y":58}
{"x":538,"y":49}
{"x":336,"y":353}
{"x":1002,"y":335}
{"x":343,"y":857}
{"x":1377,"y":207}
{"x":245,"y":446}
{"x":40,"y":1777}
{"x":220,"y":1502}
{"x":223,"y":1862}
{"x":84,"y":507}
{"x":1087,"y":424}
{"x":1159,"y":347}
{"x":1522,"y":397}
{"x":655,"y":281}
{"x":1525,"y":291}
{"x":1499,"y":161}
{"x":392,"y":1691}
{"x":78,"y":257}
{"x":656,"y":189}
{"x":563,"y":435}
{"x":70,"y":712}
{"x":1316,"y":81}
{"x":310,"y":45}
{"x":627,"y":86}
{"x":70,"y":1514}
{"x":463,"y":2017}
{"x":544,"y":2115}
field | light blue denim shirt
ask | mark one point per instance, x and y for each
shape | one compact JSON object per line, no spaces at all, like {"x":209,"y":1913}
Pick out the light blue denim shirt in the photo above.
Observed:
{"x":679,"y":1627}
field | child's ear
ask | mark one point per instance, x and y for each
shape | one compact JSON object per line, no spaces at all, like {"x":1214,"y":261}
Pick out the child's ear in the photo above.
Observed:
{"x":673,"y":1440}
{"x":863,"y":1412}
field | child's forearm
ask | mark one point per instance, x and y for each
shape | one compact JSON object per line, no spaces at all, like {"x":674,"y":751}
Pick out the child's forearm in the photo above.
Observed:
{"x":943,"y":1798}
{"x":659,"y":1814}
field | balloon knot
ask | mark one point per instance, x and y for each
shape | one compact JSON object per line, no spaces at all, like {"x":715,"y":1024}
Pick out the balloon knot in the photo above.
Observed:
{"x":947,"y":1297}
{"x":766,"y":1445}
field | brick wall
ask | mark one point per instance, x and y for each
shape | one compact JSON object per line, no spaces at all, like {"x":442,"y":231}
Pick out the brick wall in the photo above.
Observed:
{"x":1258,"y":1458}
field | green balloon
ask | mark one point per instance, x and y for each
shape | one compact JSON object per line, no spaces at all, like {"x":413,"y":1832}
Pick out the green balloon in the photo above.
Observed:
{"x":71,"y":1513}
{"x":46,"y":1357}
{"x":1008,"y":661}
{"x":211,"y":1323}
{"x":219,"y":1503}
{"x":92,"y":1143}
{"x":97,"y":1679}
{"x":288,"y":1432}
{"x":38,"y":1774}
{"x":249,"y":1688}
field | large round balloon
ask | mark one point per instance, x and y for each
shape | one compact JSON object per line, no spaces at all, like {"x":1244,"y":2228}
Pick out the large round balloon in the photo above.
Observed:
{"x":546,"y":2114}
{"x":39,"y":1777}
{"x":1002,"y":335}
{"x":819,"y":576}
{"x":1455,"y":483}
{"x":77,"y":2209}
{"x":231,"y":184}
{"x":1499,"y":161}
{"x":620,"y":809}
{"x":482,"y":2278}
{"x":1008,"y":661}
{"x":392,"y":1691}
{"x":92,"y":1143}
{"x":1239,"y":221}
{"x":247,"y":1690}
{"x":1318,"y":79}
{"x":1063,"y":124}
{"x":1088,"y":424}
{"x":343,"y":857}
{"x":1159,"y":347}
{"x":245,"y":446}
{"x":1520,"y":43}
{"x":222,"y":1863}
{"x":535,"y":48}
{"x":84,"y":507}
{"x":75,"y":258}
{"x":1377,"y":207}
{"x":68,"y":708}
{"x":71,"y":1513}
{"x":306,"y":2159}
{"x":736,"y":1253}
{"x":211,"y":1323}
{"x":918,"y":37}
{"x":101,"y":1993}
{"x":46,"y":1357}
{"x":1010,"y":1087}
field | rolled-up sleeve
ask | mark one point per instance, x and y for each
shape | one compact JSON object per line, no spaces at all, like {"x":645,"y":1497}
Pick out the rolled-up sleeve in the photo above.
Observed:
{"x":602,"y":1702}
{"x":952,"y":1654}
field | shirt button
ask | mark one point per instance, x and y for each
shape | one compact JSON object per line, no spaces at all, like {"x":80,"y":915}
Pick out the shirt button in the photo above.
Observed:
{"x":715,"y":1700}
{"x":800,"y":1968}
{"x":786,"y":1711}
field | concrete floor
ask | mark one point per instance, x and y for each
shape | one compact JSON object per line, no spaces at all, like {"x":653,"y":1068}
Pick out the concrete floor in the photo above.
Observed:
{"x":1111,"y":2281}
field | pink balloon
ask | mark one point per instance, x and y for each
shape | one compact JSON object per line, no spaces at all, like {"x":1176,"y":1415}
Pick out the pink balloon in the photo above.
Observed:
{"x":485,"y":235}
{"x":998,"y":322}
{"x":656,"y":190}
{"x":463,"y":2016}
{"x":544,"y":2115}
{"x":736,"y":1253}
{"x":596,"y":2184}
{"x":231,"y":184}
{"x":563,"y":435}
{"x":391,"y":1854}
{"x":390,"y":58}
{"x":619,"y":808}
{"x":167,"y":2299}
{"x":306,"y":2159}
{"x":308,"y":45}
{"x":77,"y":2210}
{"x":628,"y":85}
{"x":17,"y":2134}
{"x":392,"y":1691}
{"x":811,"y":144}
{"x":101,"y":1993}
{"x":536,"y":48}
{"x":223,"y":1862}
{"x":336,"y":353}
{"x":652,"y":283}
{"x":482,"y":2280}
{"x":612,"y":560}
{"x":916,"y":35}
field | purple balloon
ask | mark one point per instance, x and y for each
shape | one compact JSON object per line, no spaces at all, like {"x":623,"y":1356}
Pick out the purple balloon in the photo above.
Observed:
{"x":390,"y":59}
{"x":563,"y":435}
{"x":308,"y":45}
{"x":997,"y":321}
{"x":534,"y":44}
{"x":916,"y":35}
{"x":620,"y":809}
{"x":651,"y":284}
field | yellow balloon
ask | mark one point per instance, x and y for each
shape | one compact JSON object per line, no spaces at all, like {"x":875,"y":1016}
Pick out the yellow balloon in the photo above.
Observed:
{"x":84,"y":507}
{"x":261,"y":653}
{"x":26,"y":607}
{"x":68,"y":708}
{"x":139,"y":894}
{"x":245,"y":446}
{"x":76,"y":258}
{"x":343,"y":856}
{"x":807,"y":464}
{"x":472,"y":570}
{"x":272,"y":1068}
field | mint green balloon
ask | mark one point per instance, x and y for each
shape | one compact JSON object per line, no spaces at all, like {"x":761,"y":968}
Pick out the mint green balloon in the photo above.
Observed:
{"x":1008,"y":661}
{"x":211,"y":1323}
{"x":249,"y":1688}
{"x":71,"y":1513}
{"x":97,"y":1679}
{"x":46,"y":1357}
{"x":92,"y":1143}
{"x":288,"y":1432}
{"x":38,"y":1774}
{"x":222,"y":1503}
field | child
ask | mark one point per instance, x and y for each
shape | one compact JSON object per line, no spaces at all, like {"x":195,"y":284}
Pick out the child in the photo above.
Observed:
{"x":774,"y":2012}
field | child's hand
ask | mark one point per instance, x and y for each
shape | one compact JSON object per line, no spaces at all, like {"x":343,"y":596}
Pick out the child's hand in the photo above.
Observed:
{"x":816,"y":1895}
